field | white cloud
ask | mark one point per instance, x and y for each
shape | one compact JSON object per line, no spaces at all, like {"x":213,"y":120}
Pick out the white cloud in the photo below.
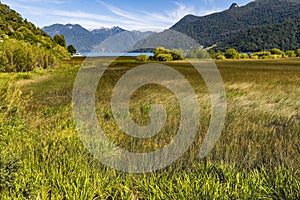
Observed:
{"x":181,"y":11}
{"x":147,"y":20}
{"x":127,"y":19}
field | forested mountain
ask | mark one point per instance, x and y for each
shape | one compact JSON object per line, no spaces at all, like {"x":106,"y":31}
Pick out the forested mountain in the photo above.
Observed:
{"x":261,"y":24}
{"x":81,"y":38}
{"x":285,"y":36}
{"x":101,"y":40}
{"x":169,"y":39}
{"x":23,"y":46}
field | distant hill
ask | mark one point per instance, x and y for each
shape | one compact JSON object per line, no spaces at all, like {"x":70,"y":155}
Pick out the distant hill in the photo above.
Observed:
{"x":169,"y":39}
{"x":102,"y":40}
{"x":261,"y":24}
{"x":121,"y":42}
{"x":81,"y":38}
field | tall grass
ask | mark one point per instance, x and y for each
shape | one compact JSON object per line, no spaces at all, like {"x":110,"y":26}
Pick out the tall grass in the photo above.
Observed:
{"x":257,"y":156}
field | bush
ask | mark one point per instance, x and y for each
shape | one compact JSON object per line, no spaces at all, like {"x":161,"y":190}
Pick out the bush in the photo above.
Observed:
{"x":244,"y":56}
{"x":164,"y":57}
{"x":142,"y":58}
{"x":261,"y":55}
{"x":220,"y":57}
{"x":232,"y":53}
{"x":160,"y":50}
{"x":253,"y":56}
{"x":276,"y":56}
{"x":23,"y":76}
{"x":20,"y":56}
{"x":297,"y":52}
{"x":276,"y":51}
{"x":177,"y":54}
{"x":162,"y":54}
{"x":290,"y":53}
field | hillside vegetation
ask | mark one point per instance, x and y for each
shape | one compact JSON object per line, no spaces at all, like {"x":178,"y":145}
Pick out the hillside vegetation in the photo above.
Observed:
{"x":23,"y":46}
{"x":261,"y":24}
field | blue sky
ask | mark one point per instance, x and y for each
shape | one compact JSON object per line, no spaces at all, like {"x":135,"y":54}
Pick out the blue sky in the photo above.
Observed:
{"x":128,"y":14}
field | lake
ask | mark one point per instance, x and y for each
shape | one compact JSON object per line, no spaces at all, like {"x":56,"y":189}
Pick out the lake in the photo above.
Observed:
{"x":115,"y":54}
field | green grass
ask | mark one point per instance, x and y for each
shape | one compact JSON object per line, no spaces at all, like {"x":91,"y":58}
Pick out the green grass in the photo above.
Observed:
{"x":257,"y":157}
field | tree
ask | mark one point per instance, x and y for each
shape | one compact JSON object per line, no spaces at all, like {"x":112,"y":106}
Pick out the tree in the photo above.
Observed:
{"x":297,"y":52}
{"x":290,"y":53}
{"x":217,"y":55}
{"x":162,"y":54}
{"x":160,"y":50}
{"x":276,"y":51}
{"x":71,"y":49}
{"x":164,"y":57}
{"x":60,"y":40}
{"x":177,"y":54}
{"x":142,"y":58}
{"x":232,"y":53}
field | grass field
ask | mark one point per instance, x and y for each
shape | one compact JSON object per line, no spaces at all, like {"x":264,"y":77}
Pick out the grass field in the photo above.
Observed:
{"x":257,"y":157}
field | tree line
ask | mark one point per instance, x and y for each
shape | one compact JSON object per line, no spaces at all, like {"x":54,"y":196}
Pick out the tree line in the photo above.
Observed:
{"x":162,"y":54}
{"x":274,"y":53}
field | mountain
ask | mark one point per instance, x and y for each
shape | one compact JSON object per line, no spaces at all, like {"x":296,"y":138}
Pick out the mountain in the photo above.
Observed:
{"x":261,"y":24}
{"x":122,"y":42}
{"x":101,"y":40}
{"x":105,"y":33}
{"x":169,"y":39}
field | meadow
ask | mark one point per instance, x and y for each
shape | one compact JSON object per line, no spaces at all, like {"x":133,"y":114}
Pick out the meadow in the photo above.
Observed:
{"x":257,"y":156}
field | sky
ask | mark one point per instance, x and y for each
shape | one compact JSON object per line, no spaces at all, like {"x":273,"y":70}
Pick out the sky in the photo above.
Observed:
{"x":142,"y":15}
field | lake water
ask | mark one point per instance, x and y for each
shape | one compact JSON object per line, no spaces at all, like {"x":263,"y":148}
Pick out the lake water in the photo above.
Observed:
{"x":115,"y":54}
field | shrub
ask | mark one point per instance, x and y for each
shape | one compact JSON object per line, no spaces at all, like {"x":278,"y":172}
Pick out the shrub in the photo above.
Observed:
{"x":20,"y":56}
{"x":244,"y":56}
{"x":290,"y":53}
{"x":232,"y":53}
{"x":254,"y":56}
{"x":276,"y":56}
{"x":160,"y":50}
{"x":142,"y":58}
{"x":276,"y":51}
{"x":297,"y":52}
{"x":164,"y":57}
{"x":220,"y":57}
{"x":162,"y":54}
{"x":177,"y":54}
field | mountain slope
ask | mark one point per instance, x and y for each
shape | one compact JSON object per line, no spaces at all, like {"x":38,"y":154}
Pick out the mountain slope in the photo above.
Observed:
{"x":285,"y":35}
{"x":231,"y":26}
{"x":14,"y":26}
{"x":23,"y":46}
{"x":169,"y":39}
{"x":122,"y":42}
{"x":80,"y":37}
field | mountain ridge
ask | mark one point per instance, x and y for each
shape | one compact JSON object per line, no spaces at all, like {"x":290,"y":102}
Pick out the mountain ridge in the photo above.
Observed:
{"x":87,"y":41}
{"x":219,"y":28}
